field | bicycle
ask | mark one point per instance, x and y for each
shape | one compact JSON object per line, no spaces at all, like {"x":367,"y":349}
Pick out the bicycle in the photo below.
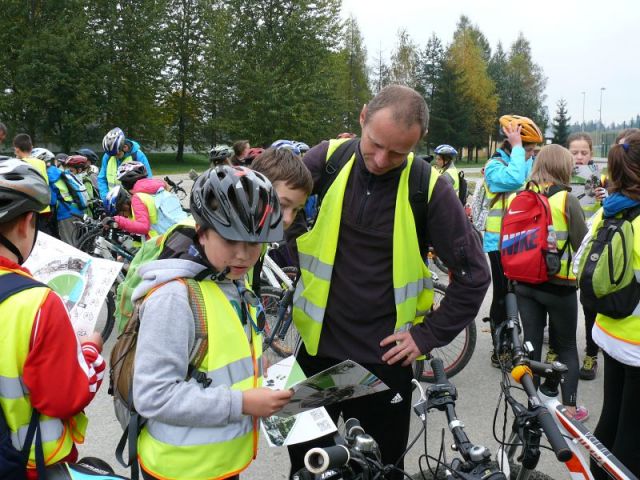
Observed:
{"x":357,"y":456}
{"x":277,"y":297}
{"x":175,"y":187}
{"x":111,"y":244}
{"x":544,"y":412}
{"x":456,"y":355}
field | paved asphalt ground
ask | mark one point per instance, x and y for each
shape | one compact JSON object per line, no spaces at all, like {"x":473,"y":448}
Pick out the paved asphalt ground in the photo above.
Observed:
{"x":478,"y":390}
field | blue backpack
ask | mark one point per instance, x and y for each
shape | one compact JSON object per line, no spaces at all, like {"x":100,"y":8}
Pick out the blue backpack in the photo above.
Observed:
{"x":169,"y":210}
{"x":77,"y":189}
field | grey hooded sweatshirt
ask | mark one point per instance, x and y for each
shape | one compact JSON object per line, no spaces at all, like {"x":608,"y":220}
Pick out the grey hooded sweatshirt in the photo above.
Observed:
{"x":165,"y":340}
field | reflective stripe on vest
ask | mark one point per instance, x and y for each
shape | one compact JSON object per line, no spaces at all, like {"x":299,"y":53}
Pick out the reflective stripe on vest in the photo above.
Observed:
{"x":626,"y":329}
{"x":18,"y":314}
{"x":171,"y":451}
{"x":112,"y":170}
{"x":65,"y":193}
{"x":150,"y":203}
{"x":412,"y":284}
{"x":558,"y":204}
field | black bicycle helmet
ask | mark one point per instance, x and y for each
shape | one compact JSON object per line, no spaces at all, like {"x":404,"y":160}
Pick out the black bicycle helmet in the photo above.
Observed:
{"x":238,"y":203}
{"x":22,"y":190}
{"x":130,"y":172}
{"x":90,"y":154}
{"x":219,"y":154}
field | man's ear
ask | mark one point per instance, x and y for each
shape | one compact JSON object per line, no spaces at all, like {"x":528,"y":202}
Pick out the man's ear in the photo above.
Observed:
{"x":25,"y":224}
{"x":425,"y":133}
{"x":363,"y":115}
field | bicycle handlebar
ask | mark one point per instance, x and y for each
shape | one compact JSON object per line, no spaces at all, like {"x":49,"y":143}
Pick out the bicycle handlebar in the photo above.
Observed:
{"x":319,"y":460}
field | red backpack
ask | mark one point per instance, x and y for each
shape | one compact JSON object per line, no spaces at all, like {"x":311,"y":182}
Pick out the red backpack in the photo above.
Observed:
{"x":527,"y":253}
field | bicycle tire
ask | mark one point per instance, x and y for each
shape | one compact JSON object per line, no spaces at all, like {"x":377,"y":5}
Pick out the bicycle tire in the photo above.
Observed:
{"x":283,"y":343}
{"x":441,"y":474}
{"x":86,"y":243}
{"x":456,"y":355}
{"x":106,"y":327}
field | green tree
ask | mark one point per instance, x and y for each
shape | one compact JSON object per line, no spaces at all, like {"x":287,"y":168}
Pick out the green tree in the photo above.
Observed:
{"x":185,"y":43}
{"x":381,"y":73}
{"x":404,"y":61}
{"x":478,"y":90}
{"x":429,"y":68}
{"x":561,"y":123}
{"x":524,"y":89}
{"x":498,"y":71}
{"x":354,"y":83}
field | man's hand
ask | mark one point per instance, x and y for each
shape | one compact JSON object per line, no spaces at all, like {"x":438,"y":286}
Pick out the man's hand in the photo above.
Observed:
{"x":512,"y":132}
{"x":95,"y":338}
{"x":601,"y":193}
{"x":264,"y":402}
{"x":405,"y":349}
{"x":108,"y":222}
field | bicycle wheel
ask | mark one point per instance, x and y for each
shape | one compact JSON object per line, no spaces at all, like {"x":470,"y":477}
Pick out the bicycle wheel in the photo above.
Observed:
{"x":87,"y":243}
{"x":455,"y":355}
{"x":286,"y":337}
{"x":106,"y":317}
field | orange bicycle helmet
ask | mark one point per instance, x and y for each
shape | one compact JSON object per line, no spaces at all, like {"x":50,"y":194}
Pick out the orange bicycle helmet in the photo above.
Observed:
{"x":530,"y":132}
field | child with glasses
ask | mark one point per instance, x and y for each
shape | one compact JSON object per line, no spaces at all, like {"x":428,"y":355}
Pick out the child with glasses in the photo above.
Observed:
{"x":207,"y":429}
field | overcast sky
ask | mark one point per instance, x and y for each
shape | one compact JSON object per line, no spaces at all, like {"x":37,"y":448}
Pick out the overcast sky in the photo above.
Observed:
{"x":581,"y":45}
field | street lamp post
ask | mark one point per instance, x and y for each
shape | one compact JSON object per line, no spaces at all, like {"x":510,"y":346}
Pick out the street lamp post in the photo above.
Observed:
{"x":602,"y":89}
{"x":584,"y":94}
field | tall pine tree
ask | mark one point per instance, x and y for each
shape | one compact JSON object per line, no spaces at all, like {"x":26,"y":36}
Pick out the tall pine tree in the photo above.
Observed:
{"x":561,"y":123}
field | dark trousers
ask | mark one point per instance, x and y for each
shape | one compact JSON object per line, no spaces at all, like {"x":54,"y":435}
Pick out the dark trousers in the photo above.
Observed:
{"x":385,"y":415}
{"x":619,"y":421}
{"x":589,"y":320}
{"x":500,"y":284}
{"x":534,"y":306}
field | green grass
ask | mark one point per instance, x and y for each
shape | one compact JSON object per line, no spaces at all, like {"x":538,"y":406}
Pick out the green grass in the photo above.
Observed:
{"x":165,"y":163}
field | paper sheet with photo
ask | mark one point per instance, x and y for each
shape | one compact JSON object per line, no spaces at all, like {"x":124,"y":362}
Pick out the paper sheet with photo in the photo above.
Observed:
{"x":308,"y":425}
{"x":80,"y":279}
{"x":343,"y":381}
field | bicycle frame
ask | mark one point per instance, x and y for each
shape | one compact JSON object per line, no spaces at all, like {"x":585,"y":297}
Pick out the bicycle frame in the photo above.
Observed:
{"x":275,"y":276}
{"x":546,"y":396}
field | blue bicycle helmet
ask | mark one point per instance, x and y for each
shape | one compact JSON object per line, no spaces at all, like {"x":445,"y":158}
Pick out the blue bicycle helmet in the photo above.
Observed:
{"x":115,"y":199}
{"x":446,"y":150}
{"x":303,"y":147}
{"x":286,"y":145}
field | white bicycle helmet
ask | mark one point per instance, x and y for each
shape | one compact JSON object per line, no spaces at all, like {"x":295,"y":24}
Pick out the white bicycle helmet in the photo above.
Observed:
{"x":113,"y":141}
{"x":130,"y":172}
{"x":43,"y":154}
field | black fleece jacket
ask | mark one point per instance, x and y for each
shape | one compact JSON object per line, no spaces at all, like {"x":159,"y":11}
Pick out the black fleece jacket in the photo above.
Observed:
{"x":361,"y":308}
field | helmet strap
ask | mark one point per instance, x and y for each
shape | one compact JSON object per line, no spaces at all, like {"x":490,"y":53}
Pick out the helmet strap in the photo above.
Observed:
{"x":12,"y":248}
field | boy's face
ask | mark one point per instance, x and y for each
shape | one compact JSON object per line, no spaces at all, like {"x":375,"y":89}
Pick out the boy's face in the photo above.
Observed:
{"x":239,"y":257}
{"x":291,"y":201}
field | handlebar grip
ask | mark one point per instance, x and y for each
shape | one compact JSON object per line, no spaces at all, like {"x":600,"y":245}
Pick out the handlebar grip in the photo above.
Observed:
{"x":511,"y":305}
{"x":319,"y":460}
{"x":556,"y":440}
{"x":438,"y":371}
{"x":352,"y":427}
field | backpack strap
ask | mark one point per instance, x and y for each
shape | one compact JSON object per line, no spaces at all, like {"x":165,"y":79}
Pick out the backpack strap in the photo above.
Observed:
{"x":419,"y":179}
{"x":12,"y":283}
{"x":334,"y":164}
{"x":201,"y":344}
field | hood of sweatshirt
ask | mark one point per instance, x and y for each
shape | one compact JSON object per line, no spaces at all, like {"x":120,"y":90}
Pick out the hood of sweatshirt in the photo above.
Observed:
{"x":135,"y":146}
{"x":159,"y":272}
{"x":147,"y":185}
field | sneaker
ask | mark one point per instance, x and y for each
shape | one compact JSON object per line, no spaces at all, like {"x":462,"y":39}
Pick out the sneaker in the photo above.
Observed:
{"x":551,"y":356}
{"x":589,"y":367}
{"x":581,"y":414}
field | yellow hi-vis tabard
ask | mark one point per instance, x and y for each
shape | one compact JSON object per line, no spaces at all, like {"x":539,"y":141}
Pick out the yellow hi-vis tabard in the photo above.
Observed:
{"x":18,"y":314}
{"x":412,"y":284}
{"x":234,"y":359}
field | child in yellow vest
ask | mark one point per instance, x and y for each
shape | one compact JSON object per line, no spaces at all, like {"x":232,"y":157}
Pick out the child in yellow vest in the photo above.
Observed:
{"x":205,"y":426}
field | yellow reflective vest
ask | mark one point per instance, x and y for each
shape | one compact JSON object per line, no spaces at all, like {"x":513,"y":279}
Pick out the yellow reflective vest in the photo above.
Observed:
{"x":452,"y":172}
{"x":41,"y":167}
{"x":412,"y":284}
{"x":150,"y":203}
{"x":18,"y":314}
{"x":234,"y":359}
{"x":112,"y":170}
{"x":626,"y":329}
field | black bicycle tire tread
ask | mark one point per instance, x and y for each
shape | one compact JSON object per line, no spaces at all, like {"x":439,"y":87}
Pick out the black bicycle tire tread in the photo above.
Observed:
{"x":110,"y":299}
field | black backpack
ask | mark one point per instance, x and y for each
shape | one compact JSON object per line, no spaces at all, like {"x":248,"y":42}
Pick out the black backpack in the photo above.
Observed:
{"x":13,"y":462}
{"x":419,"y":177}
{"x":463,"y":188}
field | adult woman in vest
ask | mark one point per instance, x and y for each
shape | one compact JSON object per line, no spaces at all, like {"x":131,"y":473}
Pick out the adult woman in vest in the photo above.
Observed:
{"x":445,"y":155}
{"x":557,"y":298}
{"x":193,"y":431}
{"x":505,"y":173}
{"x":619,"y":339}
{"x":587,"y":185}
